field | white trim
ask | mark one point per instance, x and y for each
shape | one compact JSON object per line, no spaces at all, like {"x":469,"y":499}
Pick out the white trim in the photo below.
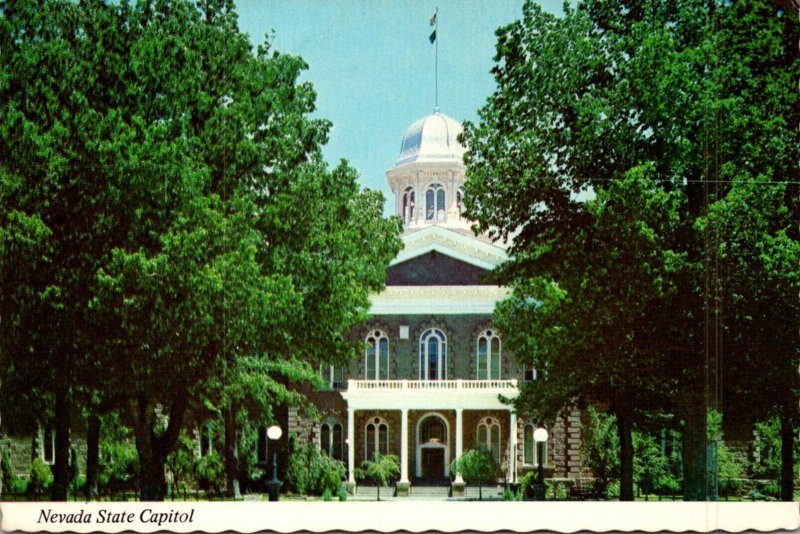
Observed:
{"x":450,"y":243}
{"x":447,"y":300}
{"x":420,"y":446}
{"x":424,"y":395}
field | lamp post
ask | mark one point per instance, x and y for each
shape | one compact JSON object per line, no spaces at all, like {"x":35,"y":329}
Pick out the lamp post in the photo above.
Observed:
{"x":274,"y":433}
{"x":540,"y":437}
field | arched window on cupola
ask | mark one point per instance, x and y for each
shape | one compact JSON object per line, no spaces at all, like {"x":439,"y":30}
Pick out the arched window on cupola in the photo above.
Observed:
{"x":376,"y":357}
{"x":408,"y":204}
{"x":488,"y":355}
{"x":460,"y":200}
{"x":434,"y":203}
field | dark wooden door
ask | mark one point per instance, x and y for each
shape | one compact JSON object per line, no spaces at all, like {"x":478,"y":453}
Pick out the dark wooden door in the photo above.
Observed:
{"x":433,"y":463}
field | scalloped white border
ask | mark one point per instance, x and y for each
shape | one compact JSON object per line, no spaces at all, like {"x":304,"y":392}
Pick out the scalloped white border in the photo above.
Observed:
{"x":419,"y":516}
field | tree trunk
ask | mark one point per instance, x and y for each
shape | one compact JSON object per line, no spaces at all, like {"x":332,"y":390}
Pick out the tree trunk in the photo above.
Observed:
{"x":92,"y":455}
{"x":694,"y":451}
{"x":480,"y":491}
{"x":379,"y":491}
{"x":787,"y":455}
{"x":62,"y":424}
{"x":152,"y":482}
{"x":625,"y":457}
{"x":231,"y":453}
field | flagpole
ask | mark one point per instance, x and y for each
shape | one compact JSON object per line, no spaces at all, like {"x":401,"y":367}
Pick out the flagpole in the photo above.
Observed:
{"x":436,"y":68}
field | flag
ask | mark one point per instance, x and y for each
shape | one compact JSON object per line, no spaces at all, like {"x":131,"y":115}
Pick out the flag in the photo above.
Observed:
{"x":433,"y":20}
{"x":432,"y":37}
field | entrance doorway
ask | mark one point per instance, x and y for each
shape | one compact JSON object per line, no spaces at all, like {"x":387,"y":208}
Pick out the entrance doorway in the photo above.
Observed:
{"x":433,"y":447}
{"x":433,"y":463}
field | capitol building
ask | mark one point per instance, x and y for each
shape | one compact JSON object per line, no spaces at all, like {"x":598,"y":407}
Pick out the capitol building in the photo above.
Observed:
{"x":429,"y":384}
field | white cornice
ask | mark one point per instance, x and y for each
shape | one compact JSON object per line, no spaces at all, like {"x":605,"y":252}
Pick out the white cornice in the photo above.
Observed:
{"x":461,"y":247}
{"x":449,"y":300}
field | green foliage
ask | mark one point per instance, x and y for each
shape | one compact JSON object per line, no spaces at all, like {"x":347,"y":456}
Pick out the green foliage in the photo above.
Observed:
{"x":660,"y":149}
{"x":41,"y":477}
{"x":327,"y":495}
{"x":727,"y":467}
{"x":477,"y":467}
{"x":7,"y":469}
{"x":511,"y":495}
{"x":210,"y":473}
{"x":181,"y":462}
{"x":118,"y":457}
{"x":768,"y":444}
{"x":601,"y":448}
{"x":162,"y":175}
{"x":342,"y":494}
{"x":381,"y":469}
{"x":311,"y":472}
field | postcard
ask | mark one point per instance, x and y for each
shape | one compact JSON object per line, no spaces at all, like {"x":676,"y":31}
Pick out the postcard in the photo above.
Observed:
{"x":316,"y":265}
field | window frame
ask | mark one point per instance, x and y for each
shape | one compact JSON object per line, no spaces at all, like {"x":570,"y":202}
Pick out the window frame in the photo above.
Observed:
{"x":491,"y":428}
{"x":435,"y":202}
{"x":376,"y":336}
{"x":489,"y":335}
{"x":424,"y":354}
{"x":379,"y":428}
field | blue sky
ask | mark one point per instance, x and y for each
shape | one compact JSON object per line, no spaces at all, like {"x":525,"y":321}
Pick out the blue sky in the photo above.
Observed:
{"x":373,"y":67}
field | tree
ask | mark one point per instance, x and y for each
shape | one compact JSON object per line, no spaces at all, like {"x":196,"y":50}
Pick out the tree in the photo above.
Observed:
{"x":477,"y":467}
{"x":381,"y":469}
{"x":170,"y":191}
{"x":569,"y":159}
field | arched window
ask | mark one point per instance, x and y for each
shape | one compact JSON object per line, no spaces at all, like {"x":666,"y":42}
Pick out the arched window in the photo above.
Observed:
{"x":488,"y":355}
{"x":433,"y":355}
{"x":408,"y":204}
{"x":376,"y":357}
{"x":530,"y":451}
{"x":330,"y":439}
{"x":376,"y":438}
{"x":433,"y":430}
{"x":489,"y":437}
{"x":434,"y":203}
{"x":460,"y":200}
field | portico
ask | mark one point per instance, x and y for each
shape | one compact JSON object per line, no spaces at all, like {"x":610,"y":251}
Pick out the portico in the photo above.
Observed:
{"x":434,"y":411}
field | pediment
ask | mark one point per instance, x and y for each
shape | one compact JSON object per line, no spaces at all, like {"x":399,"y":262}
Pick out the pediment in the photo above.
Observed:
{"x":460,"y":247}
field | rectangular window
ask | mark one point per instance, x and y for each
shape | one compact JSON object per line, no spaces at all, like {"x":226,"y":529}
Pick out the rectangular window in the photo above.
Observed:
{"x":528,"y":374}
{"x":370,"y":442}
{"x":337,"y":442}
{"x":482,"y":350}
{"x":49,"y":446}
{"x":325,"y":439}
{"x":495,"y":356}
{"x":529,"y":445}
{"x":338,"y":381}
{"x":383,"y":364}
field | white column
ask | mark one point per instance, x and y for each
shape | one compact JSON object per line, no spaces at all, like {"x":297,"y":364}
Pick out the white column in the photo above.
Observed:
{"x":351,"y":445}
{"x":459,"y":438}
{"x":512,"y":440}
{"x":404,"y":445}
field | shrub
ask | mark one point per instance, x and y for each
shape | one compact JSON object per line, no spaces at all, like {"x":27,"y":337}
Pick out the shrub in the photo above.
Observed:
{"x":477,"y":467}
{"x":41,"y":477}
{"x":210,"y":473}
{"x":119,"y":465}
{"x":526,"y":484}
{"x":327,"y":495}
{"x":342,"y":494}
{"x":19,"y":485}
{"x":311,"y":472}
{"x":8,"y":474}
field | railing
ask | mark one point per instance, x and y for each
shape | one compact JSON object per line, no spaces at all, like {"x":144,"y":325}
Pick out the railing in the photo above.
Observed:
{"x":455,"y":385}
